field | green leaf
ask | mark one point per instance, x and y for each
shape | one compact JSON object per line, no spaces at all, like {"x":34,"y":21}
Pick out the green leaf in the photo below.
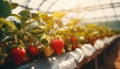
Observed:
{"x":58,"y":22}
{"x":1,"y":25}
{"x":44,"y":16}
{"x":35,"y":16}
{"x":36,"y":31}
{"x":48,"y":20}
{"x":44,"y":41}
{"x":1,"y":1}
{"x":73,"y":22}
{"x":5,"y":9}
{"x":25,"y":13}
{"x":59,"y":14}
{"x":91,"y":25}
{"x":25,"y":24}
{"x":7,"y":38}
{"x":14,"y":5}
{"x":17,"y":24}
{"x":49,"y":24}
{"x":10,"y":24}
{"x":15,"y":15}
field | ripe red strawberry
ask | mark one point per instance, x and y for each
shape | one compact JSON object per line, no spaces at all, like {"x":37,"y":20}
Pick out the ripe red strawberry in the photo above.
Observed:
{"x":26,"y":58}
{"x":74,"y":47}
{"x":89,"y":39}
{"x":58,"y":45}
{"x":103,"y":36}
{"x":17,"y":55}
{"x":92,"y":40}
{"x":73,"y":39}
{"x":109,"y":35}
{"x":93,"y":43}
{"x":33,"y":51}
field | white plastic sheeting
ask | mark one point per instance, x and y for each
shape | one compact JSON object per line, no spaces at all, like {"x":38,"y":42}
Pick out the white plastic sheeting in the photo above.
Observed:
{"x":69,"y":60}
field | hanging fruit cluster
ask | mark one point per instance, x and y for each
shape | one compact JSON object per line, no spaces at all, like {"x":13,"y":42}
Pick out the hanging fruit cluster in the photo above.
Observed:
{"x":27,"y":36}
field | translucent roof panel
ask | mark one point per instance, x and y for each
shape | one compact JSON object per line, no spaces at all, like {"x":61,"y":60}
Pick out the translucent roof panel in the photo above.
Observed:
{"x":117,"y":11}
{"x":116,"y":1}
{"x":108,"y":12}
{"x":104,"y":1}
{"x":94,"y":14}
{"x":17,"y":10}
{"x":87,"y":10}
{"x":34,"y":3}
{"x":45,"y":6}
{"x":86,"y":3}
{"x":21,"y":2}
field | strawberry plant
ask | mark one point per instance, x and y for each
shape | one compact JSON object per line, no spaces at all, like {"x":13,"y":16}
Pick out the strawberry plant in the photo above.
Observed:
{"x":26,"y":35}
